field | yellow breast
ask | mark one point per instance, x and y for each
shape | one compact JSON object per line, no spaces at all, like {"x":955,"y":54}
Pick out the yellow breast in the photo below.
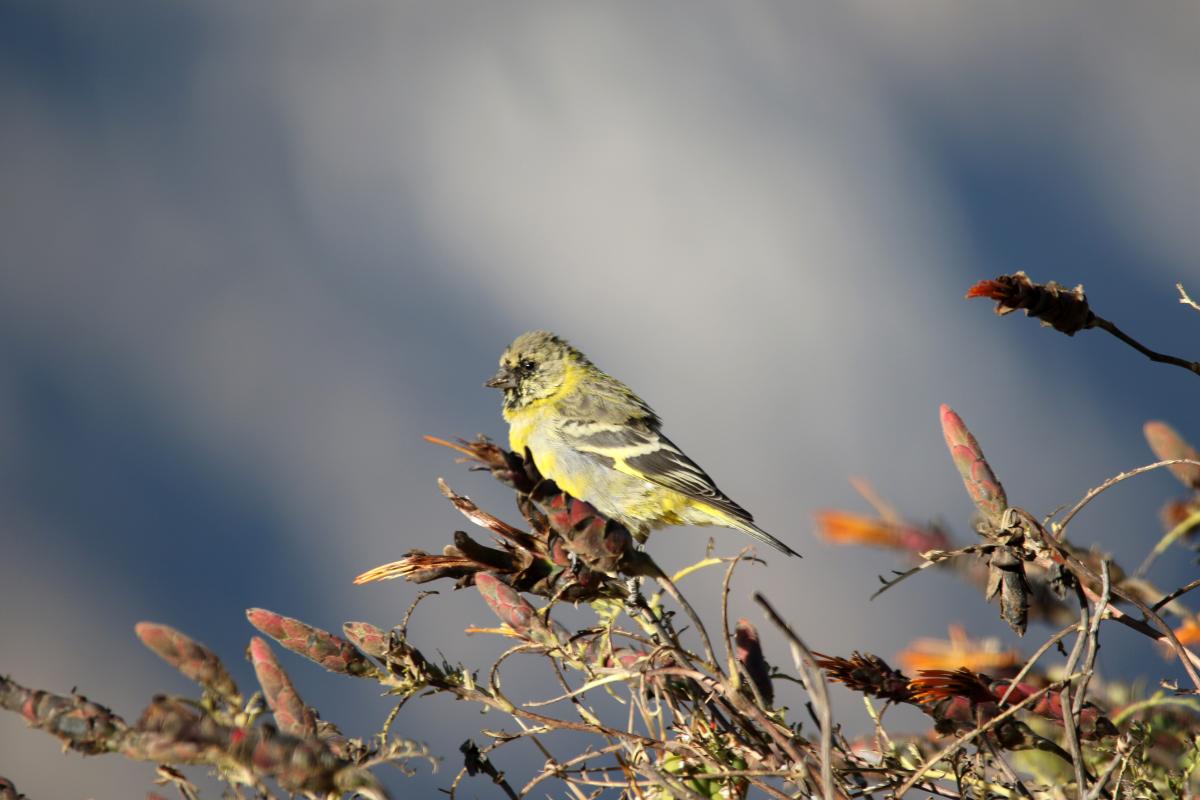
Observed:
{"x":521,"y":426}
{"x":523,"y":432}
{"x":532,"y":427}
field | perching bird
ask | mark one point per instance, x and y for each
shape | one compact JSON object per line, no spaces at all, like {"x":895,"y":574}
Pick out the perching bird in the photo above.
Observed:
{"x":601,"y":443}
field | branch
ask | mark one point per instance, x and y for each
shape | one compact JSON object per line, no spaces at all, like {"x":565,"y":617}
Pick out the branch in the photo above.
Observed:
{"x":1183,"y":298}
{"x":806,"y":662}
{"x":1066,"y":311}
{"x":1161,"y":358}
{"x":1069,"y":722}
{"x":1095,"y":491}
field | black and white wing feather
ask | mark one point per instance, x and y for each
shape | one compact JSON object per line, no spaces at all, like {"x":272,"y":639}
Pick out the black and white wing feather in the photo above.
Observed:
{"x":645,"y":453}
{"x":638,"y":449}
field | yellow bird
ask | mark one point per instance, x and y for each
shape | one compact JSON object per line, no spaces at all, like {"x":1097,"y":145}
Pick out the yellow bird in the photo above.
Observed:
{"x":601,"y":443}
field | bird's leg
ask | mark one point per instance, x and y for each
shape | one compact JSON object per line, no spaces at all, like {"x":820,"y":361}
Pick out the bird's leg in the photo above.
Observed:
{"x":658,"y":625}
{"x":634,"y":602}
{"x":636,"y":606}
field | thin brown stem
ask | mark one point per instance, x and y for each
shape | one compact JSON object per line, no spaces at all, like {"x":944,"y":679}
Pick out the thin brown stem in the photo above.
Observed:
{"x":1161,"y":358}
{"x":1009,"y":774}
{"x":1041,"y":651}
{"x":1175,"y":595}
{"x":729,"y":659}
{"x":672,"y":590}
{"x":1093,"y":639}
{"x":817,"y":690}
{"x":1070,"y":725}
{"x":1095,"y":491}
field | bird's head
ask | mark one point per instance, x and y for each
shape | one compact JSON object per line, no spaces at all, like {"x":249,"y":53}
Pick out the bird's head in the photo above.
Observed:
{"x":534,"y":367}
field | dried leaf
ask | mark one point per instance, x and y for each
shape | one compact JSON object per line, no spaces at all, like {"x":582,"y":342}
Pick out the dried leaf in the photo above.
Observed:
{"x":1055,"y":306}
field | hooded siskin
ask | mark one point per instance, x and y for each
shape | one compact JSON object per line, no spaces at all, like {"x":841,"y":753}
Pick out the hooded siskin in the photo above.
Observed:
{"x":601,"y":443}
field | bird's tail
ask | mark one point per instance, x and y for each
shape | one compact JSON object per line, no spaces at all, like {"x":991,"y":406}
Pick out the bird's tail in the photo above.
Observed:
{"x":758,"y":533}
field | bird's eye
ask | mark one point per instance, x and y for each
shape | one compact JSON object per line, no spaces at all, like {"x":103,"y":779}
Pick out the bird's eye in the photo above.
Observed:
{"x":528,"y":366}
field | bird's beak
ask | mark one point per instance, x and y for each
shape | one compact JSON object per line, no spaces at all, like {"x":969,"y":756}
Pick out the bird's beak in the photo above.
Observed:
{"x":504,"y":379}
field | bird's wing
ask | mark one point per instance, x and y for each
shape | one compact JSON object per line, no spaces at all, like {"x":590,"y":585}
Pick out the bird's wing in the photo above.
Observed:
{"x":640,"y":450}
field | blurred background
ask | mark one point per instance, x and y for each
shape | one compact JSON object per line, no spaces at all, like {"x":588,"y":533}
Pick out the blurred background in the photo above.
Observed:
{"x":253,"y":251}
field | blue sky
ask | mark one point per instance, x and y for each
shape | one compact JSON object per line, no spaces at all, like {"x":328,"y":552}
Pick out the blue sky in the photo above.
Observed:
{"x":254,"y":251}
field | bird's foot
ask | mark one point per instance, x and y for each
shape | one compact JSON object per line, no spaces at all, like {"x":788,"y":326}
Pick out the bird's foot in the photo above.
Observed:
{"x":635,"y":603}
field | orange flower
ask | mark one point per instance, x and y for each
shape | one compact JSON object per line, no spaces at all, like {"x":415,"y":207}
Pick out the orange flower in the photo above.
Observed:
{"x":978,"y":655}
{"x":1188,"y":634}
{"x":844,"y":527}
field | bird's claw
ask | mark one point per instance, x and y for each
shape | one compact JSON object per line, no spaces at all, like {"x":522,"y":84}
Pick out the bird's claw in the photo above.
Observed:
{"x":634,"y":602}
